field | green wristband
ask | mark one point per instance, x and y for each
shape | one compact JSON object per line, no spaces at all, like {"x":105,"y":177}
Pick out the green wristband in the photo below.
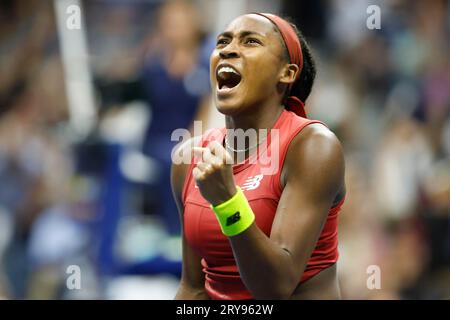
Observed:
{"x":235,"y":215}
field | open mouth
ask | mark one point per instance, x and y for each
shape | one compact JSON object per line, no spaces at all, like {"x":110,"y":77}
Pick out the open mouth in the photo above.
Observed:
{"x":227,"y":77}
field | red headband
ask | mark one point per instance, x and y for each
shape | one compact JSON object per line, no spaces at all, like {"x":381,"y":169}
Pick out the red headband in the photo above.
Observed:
{"x":294,"y":49}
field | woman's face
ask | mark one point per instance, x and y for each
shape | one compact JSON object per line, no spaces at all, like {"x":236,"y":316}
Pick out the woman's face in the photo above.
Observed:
{"x":246,"y":64}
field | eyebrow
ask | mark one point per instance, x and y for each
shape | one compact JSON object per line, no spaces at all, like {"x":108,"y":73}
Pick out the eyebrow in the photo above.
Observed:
{"x":242,"y":34}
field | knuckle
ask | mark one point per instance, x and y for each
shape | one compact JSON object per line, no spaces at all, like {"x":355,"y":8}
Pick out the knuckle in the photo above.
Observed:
{"x":216,"y":164}
{"x":214,"y":146}
{"x":200,"y":178}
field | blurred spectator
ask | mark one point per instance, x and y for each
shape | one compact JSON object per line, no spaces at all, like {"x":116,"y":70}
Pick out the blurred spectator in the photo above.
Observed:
{"x":174,"y":82}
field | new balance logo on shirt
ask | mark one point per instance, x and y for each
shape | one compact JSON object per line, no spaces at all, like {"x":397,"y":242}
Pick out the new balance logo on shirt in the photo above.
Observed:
{"x":251,"y":183}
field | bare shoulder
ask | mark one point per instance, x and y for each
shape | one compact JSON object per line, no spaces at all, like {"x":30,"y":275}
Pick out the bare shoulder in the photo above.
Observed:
{"x":315,"y":142}
{"x":315,"y":153}
{"x":318,"y":136}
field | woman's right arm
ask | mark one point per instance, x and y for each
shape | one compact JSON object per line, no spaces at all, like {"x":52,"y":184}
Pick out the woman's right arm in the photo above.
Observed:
{"x":192,"y":284}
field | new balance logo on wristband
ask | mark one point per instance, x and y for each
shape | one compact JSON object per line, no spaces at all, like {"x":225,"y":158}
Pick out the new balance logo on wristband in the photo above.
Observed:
{"x":233,"y":219}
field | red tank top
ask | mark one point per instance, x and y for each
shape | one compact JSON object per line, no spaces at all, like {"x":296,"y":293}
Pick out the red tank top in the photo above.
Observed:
{"x":261,"y":185}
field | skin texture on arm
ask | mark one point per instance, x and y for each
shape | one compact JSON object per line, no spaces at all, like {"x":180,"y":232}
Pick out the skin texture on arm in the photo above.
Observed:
{"x":192,"y":284}
{"x":313,"y":175}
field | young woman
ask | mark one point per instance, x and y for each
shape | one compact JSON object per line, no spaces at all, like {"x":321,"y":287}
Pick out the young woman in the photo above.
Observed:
{"x":249,"y":234}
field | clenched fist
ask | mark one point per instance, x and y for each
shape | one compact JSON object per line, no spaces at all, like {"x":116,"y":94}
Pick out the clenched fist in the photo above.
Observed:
{"x":214,"y":173}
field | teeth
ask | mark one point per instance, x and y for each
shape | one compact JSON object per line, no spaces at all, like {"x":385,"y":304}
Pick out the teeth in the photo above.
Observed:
{"x":227,"y":69}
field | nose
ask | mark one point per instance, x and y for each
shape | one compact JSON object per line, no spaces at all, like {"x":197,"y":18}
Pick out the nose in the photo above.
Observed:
{"x":229,"y":51}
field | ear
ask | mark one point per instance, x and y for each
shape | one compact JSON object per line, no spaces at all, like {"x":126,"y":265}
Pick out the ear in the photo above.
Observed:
{"x":289,"y":73}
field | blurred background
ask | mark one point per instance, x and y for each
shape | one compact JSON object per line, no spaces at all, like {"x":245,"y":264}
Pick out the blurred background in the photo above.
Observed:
{"x":86,"y":117}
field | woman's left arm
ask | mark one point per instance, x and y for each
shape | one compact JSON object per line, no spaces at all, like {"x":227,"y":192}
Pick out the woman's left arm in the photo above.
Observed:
{"x":313,"y":174}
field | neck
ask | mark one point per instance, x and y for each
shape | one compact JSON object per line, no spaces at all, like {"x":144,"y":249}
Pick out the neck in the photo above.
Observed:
{"x":263,"y":117}
{"x":261,"y":121}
